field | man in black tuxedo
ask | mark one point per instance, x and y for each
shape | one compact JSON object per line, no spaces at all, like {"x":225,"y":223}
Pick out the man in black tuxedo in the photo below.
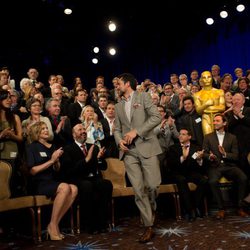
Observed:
{"x":82,"y":165}
{"x":185,"y":163}
{"x":221,"y":150}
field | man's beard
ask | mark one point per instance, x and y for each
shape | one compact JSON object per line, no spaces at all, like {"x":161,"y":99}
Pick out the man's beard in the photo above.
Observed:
{"x":121,"y":93}
{"x":82,"y":139}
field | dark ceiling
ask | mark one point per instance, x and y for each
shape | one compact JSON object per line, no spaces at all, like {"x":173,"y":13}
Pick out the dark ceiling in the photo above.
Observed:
{"x":37,"y":33}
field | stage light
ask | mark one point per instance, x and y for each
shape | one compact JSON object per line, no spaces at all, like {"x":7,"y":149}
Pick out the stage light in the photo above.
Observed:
{"x":223,"y":14}
{"x":112,"y":26}
{"x":209,"y":21}
{"x":96,"y":50}
{"x":68,"y":11}
{"x":240,"y":7}
{"x":95,"y":60}
{"x":112,"y":51}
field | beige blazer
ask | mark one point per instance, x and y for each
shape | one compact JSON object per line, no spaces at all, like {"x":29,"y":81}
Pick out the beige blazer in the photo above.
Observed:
{"x":144,"y":118}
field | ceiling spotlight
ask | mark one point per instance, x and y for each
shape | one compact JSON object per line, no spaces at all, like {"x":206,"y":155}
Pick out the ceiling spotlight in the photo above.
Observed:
{"x":96,"y":50}
{"x":68,"y":11}
{"x":209,"y":21}
{"x":112,"y":51}
{"x":240,"y":7}
{"x":112,"y":26}
{"x":223,"y":14}
{"x":95,"y":60}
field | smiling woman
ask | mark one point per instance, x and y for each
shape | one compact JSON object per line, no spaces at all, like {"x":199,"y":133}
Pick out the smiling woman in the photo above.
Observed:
{"x":43,"y":162}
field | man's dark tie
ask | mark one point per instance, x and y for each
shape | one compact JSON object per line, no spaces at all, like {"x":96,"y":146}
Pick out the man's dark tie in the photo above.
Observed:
{"x":55,"y":121}
{"x":84,"y":149}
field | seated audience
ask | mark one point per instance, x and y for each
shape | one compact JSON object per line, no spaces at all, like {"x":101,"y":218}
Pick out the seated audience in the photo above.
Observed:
{"x":185,"y":162}
{"x":221,"y":151}
{"x":43,"y":162}
{"x":82,"y":164}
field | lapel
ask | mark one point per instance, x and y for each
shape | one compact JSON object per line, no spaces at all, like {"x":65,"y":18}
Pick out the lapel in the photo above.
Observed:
{"x":77,"y":150}
{"x":216,"y":140}
{"x":225,"y":140}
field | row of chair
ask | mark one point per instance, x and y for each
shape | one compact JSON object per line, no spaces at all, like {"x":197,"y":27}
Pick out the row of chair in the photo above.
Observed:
{"x":116,"y":173}
{"x":33,"y":202}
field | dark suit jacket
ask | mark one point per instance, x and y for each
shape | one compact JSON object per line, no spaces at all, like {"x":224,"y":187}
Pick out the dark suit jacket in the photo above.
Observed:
{"x":187,"y":166}
{"x":191,"y":121}
{"x":64,"y":137}
{"x":74,"y":112}
{"x":99,"y":113}
{"x":174,"y":104}
{"x":109,"y":141}
{"x":230,"y":144}
{"x":74,"y":168}
{"x":240,"y":128}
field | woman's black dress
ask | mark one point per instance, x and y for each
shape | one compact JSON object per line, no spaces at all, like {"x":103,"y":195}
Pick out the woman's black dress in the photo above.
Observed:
{"x":44,"y":182}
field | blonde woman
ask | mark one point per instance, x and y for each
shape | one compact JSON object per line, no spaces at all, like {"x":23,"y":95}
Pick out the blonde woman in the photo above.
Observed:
{"x":43,"y":162}
{"x":93,"y":127}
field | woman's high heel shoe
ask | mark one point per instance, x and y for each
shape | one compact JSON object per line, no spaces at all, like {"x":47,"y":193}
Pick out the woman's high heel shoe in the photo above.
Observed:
{"x":53,"y":237}
{"x":62,"y":236}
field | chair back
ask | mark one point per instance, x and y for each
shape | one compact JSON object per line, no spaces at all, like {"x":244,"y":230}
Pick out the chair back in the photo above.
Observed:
{"x":115,"y":172}
{"x":5,"y":175}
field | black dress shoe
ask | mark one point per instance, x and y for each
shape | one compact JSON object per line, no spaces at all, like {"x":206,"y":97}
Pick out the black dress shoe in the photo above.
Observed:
{"x":147,"y":235}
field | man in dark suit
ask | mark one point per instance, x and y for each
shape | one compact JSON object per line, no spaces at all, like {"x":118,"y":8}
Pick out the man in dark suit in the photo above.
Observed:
{"x":82,"y":165}
{"x":239,"y":125}
{"x":221,"y":150}
{"x":102,"y":105}
{"x":108,"y":129}
{"x":60,"y":124}
{"x":75,"y":109}
{"x":185,"y":163}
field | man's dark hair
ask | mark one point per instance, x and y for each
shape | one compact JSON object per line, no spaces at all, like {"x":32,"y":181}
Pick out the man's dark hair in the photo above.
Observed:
{"x":188,"y":97}
{"x":127,"y":77}
{"x":187,"y":129}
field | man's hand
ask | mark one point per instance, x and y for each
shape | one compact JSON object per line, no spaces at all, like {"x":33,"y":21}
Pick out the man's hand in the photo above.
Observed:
{"x":222,"y":151}
{"x":122,"y":145}
{"x":90,"y":153}
{"x":212,"y":157}
{"x":130,"y":136}
{"x":101,"y":152}
{"x":200,"y":154}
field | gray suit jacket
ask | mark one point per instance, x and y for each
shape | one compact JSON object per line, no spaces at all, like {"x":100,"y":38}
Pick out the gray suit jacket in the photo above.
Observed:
{"x":144,"y":117}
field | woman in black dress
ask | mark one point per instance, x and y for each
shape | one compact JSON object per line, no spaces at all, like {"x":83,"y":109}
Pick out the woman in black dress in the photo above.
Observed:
{"x":43,"y":161}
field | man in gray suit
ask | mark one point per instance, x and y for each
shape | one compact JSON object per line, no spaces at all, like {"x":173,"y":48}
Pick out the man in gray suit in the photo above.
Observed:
{"x":136,"y":116}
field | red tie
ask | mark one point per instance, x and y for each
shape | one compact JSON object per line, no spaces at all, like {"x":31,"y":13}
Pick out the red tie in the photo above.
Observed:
{"x":55,"y":121}
{"x":83,"y":146}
